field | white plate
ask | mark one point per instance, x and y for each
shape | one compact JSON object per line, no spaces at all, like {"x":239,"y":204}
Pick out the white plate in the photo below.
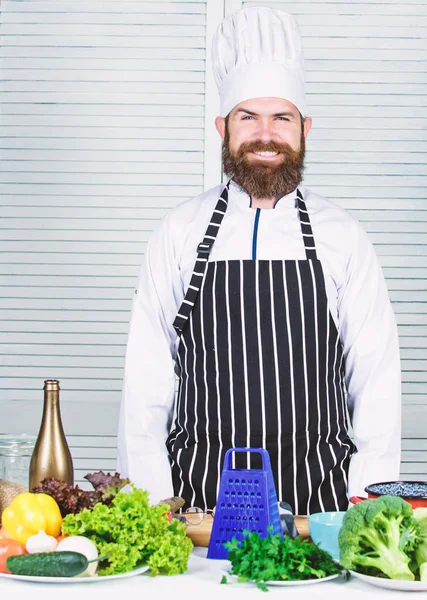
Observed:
{"x":76,"y":579}
{"x":200,"y":552}
{"x":288,"y":583}
{"x":393,"y":584}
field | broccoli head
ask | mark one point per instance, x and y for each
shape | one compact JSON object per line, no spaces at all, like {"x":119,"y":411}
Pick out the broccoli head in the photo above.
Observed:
{"x":379,"y":537}
{"x":420,"y":514}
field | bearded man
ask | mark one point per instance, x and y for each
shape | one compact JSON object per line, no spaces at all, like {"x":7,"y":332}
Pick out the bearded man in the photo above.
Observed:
{"x":268,"y":303}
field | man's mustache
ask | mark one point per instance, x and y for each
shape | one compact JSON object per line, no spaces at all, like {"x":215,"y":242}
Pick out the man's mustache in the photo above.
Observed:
{"x":258,"y":146}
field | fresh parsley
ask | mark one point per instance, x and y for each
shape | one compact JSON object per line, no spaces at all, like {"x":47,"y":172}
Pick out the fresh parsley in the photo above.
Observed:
{"x":274,"y":558}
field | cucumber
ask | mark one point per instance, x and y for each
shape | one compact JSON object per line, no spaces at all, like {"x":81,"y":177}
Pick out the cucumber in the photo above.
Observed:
{"x":48,"y":564}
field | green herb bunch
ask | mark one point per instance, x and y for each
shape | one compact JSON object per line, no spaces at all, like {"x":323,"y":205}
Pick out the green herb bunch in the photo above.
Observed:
{"x":130,"y":532}
{"x":274,"y":558}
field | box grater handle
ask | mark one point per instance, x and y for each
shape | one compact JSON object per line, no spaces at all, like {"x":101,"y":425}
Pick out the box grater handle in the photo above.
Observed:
{"x":265,"y":457}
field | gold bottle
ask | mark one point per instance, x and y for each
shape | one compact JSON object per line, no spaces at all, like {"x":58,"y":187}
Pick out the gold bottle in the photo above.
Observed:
{"x":51,"y":455}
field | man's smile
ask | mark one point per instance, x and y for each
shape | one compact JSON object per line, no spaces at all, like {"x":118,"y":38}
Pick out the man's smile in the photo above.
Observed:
{"x":265,"y":155}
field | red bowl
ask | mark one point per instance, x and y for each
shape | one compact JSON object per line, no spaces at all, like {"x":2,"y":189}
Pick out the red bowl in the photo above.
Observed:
{"x":413,"y":492}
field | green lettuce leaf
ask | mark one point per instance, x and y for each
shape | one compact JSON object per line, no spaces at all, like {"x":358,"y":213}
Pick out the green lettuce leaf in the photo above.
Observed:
{"x":132,"y":532}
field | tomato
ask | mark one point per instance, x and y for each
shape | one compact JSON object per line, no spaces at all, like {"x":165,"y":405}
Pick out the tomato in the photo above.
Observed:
{"x":9,"y":548}
{"x":61,"y":537}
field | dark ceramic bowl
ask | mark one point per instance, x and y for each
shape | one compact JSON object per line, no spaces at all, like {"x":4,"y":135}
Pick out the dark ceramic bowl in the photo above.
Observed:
{"x":414,"y":492}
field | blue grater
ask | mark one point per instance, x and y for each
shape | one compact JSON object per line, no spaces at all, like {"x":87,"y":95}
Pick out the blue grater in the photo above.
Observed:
{"x":247,"y":500}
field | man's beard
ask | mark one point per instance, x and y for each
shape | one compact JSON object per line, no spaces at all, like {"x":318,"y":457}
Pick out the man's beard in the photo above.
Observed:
{"x":262,"y":179}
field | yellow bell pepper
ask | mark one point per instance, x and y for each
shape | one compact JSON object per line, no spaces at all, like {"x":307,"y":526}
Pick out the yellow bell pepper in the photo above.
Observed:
{"x":30,"y":513}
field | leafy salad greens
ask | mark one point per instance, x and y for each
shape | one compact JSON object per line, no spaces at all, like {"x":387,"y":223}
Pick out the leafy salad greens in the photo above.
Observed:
{"x":131,"y":532}
{"x":72,"y":499}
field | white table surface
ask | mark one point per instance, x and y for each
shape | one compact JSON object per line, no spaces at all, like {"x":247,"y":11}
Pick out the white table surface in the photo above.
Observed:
{"x":200,"y":582}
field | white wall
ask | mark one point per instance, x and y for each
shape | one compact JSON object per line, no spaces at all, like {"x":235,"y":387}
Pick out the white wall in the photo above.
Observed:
{"x":107,"y":115}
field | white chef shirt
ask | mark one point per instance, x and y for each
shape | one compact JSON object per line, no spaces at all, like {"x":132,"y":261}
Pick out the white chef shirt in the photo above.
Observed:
{"x":358,"y":301}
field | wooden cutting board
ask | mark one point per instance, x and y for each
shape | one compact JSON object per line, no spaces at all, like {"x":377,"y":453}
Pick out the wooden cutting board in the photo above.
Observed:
{"x":200,"y":534}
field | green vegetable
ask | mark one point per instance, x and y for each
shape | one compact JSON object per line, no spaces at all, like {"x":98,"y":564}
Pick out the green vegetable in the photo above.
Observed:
{"x":274,"y":558}
{"x":131,"y":532}
{"x":48,"y":564}
{"x":420,"y":514}
{"x":379,"y":537}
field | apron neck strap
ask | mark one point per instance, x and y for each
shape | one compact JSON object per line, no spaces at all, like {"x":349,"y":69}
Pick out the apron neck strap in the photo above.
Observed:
{"x":203,"y":251}
{"x":306,"y":230}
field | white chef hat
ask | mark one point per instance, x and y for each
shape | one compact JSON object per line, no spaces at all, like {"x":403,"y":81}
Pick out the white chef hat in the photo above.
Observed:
{"x":257,"y":53}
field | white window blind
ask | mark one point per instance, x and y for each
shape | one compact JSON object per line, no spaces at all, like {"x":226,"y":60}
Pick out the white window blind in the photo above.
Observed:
{"x":107,"y":112}
{"x":103,"y":128}
{"x":366,"y":91}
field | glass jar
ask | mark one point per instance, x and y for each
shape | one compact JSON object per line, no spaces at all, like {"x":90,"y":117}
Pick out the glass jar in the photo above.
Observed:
{"x":15,"y":456}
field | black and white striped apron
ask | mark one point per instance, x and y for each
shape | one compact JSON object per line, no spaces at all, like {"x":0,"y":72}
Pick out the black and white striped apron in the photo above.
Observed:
{"x":260,"y":364}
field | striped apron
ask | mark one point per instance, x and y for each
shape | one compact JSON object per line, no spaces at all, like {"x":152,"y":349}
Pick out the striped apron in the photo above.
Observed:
{"x":260,"y":364}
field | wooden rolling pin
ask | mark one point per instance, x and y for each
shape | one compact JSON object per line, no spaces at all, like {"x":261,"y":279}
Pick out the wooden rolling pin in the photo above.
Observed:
{"x":200,"y":534}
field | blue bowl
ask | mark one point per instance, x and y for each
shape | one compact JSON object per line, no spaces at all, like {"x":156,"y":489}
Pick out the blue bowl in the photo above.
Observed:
{"x":324,"y":528}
